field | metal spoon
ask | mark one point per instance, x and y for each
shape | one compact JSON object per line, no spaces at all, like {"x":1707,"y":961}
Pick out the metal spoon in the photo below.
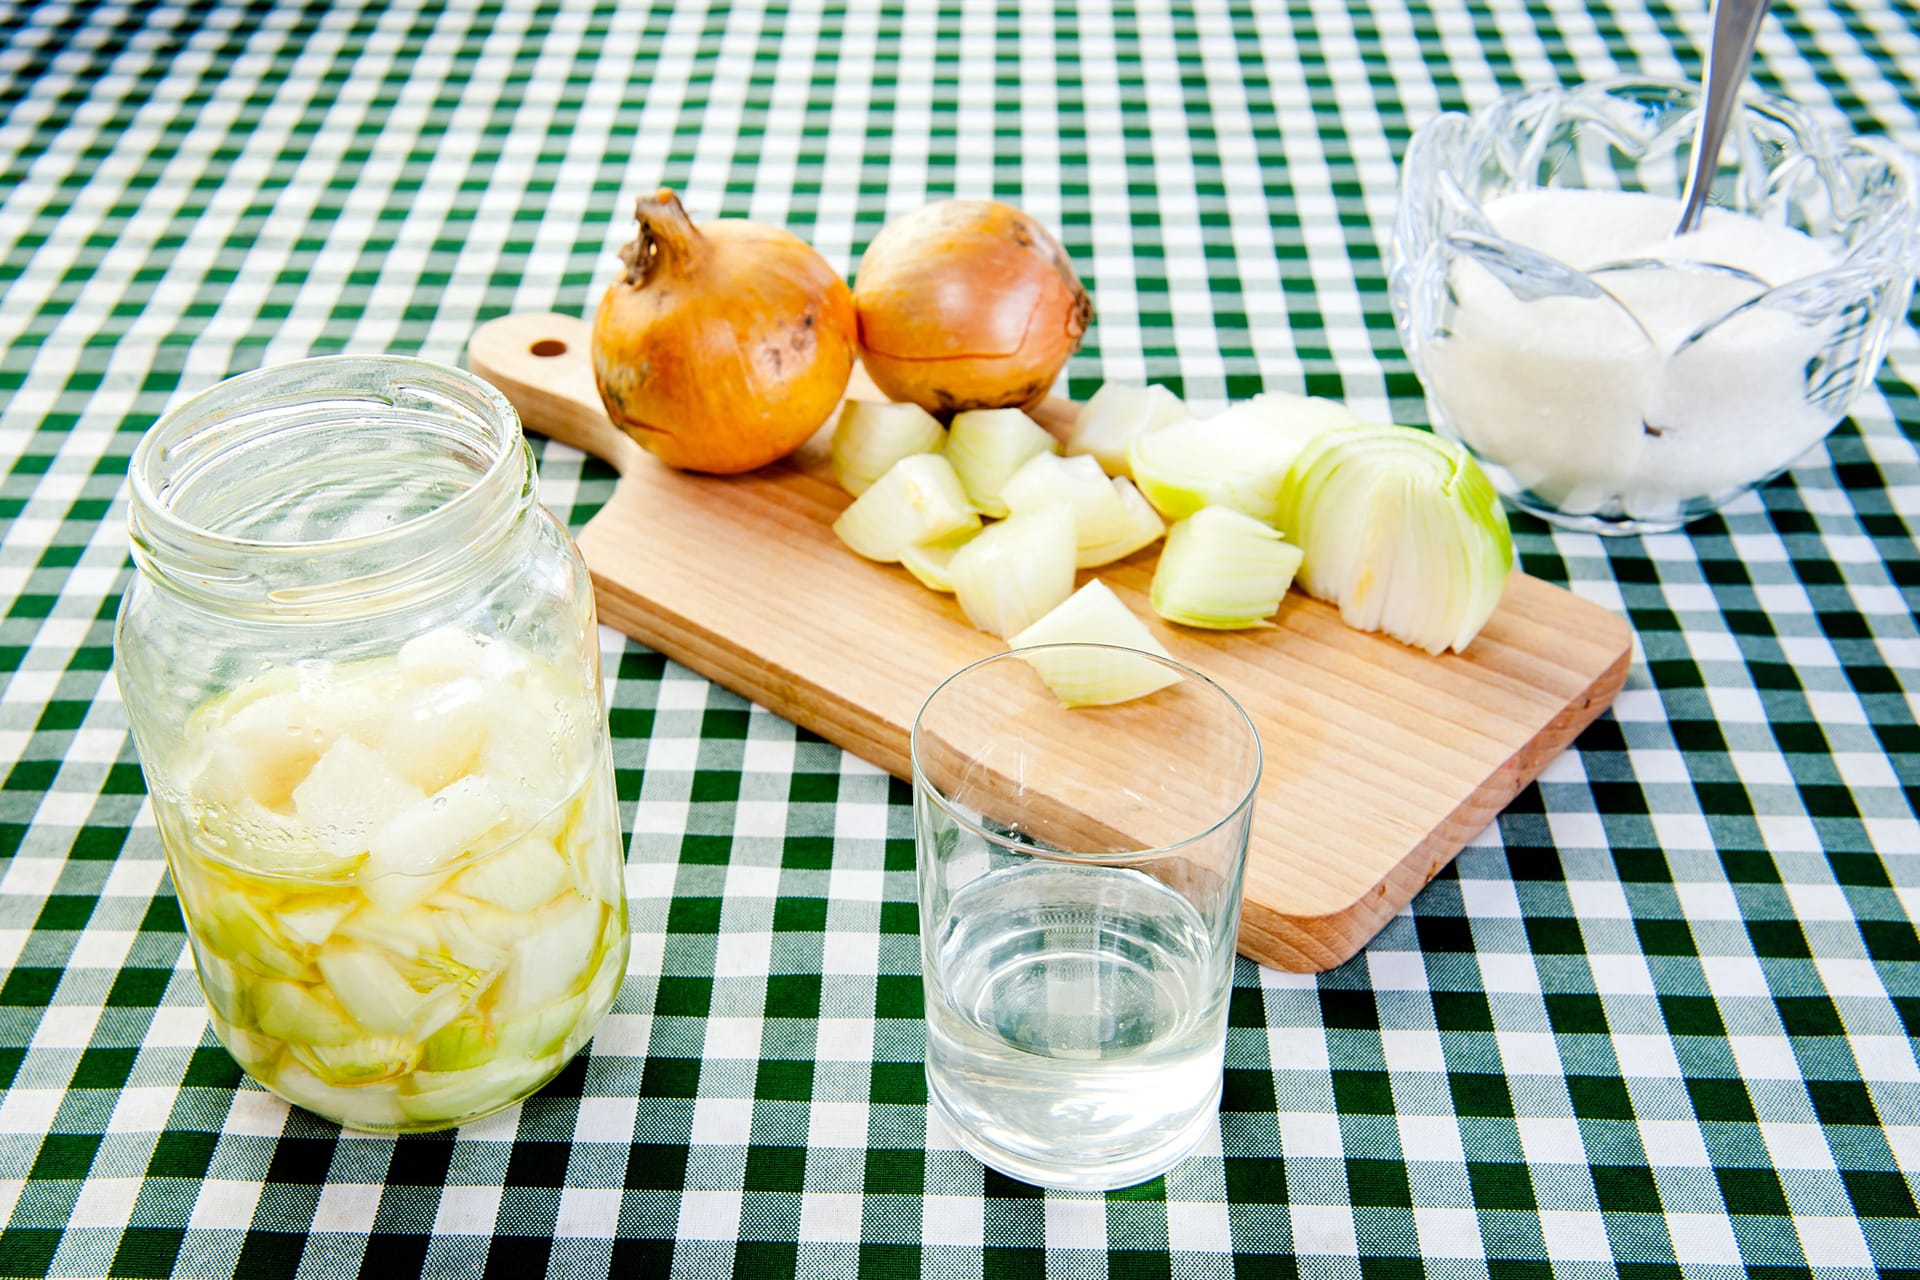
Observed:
{"x":1736,"y":26}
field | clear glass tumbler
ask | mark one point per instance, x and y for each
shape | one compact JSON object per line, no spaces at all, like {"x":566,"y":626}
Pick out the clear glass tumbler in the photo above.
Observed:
{"x":1079,"y":879}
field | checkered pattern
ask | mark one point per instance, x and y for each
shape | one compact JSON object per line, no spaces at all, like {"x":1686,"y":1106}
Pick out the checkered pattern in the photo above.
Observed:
{"x":1658,"y":1019}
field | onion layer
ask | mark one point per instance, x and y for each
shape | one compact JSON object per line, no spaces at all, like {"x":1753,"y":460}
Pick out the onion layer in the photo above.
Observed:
{"x":723,"y":347}
{"x":968,"y":304}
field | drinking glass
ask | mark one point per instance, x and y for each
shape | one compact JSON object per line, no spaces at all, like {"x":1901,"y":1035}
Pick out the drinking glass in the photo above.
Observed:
{"x":1079,"y":882}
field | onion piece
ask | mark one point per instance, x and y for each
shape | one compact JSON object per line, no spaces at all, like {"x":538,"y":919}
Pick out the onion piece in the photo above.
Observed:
{"x":1223,"y":570}
{"x":919,"y":499}
{"x":1016,"y":570}
{"x":986,"y":446}
{"x":1143,"y":527}
{"x":1101,"y":516}
{"x":932,"y":562}
{"x":1195,"y":464}
{"x":1118,"y":413}
{"x":873,"y":435}
{"x":1295,"y":418}
{"x":1402,"y":530}
{"x":1098,"y":676}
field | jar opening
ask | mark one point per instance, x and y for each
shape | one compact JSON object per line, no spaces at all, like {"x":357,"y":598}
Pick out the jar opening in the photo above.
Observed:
{"x":325,"y":479}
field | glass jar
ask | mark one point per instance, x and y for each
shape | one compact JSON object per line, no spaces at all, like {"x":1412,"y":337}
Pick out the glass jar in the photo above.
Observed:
{"x":361,"y":668}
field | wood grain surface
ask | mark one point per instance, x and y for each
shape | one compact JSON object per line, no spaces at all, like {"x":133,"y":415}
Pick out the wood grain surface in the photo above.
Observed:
{"x":1380,"y":760}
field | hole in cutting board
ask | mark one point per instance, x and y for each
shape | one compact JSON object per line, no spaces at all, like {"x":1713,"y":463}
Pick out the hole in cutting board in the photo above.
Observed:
{"x":548,"y":347}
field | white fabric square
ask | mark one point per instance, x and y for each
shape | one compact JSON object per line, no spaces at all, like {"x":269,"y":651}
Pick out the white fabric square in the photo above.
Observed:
{"x":1448,"y":1233}
{"x":1529,"y":1053}
{"x":1674,"y":1144}
{"x":1646,"y":1056}
{"x":1397,"y":970}
{"x":1577,"y":830}
{"x":1509,"y":972}
{"x":682,"y":693}
{"x":1310,"y":1133}
{"x":176,"y":1027}
{"x":623,"y":1035}
{"x":764,"y":818}
{"x":66,"y":1026}
{"x":588,"y":1213}
{"x":837,"y":1124}
{"x":672,"y":755}
{"x":1885,"y":1058}
{"x":1573,"y":1235}
{"x":101,"y":949}
{"x":468,"y":1211}
{"x":1432,"y":1138}
{"x":142,"y":1109}
{"x":1764,"y":1057}
{"x":255,"y":1113}
{"x":1413,"y":1049}
{"x":606,"y":1119}
{"x":1621,"y":975}
{"x":1198,"y":1228}
{"x":1324,"y":1230}
{"x":1833,"y":1242}
{"x":1598,"y":899}
{"x":1819,"y":902}
{"x":1551,"y":1140}
{"x":746,"y":880}
{"x":1797,"y":1146}
{"x":732,"y":1038}
{"x":1495,"y":898}
{"x":722,"y":1122}
{"x":826,"y":1216}
{"x":1703,"y":1238}
{"x":856,"y":821}
{"x":856,"y":953}
{"x":347,"y":1206}
{"x":1732,"y":977}
{"x":768,"y":755}
{"x":1904,"y":1141}
{"x":1297,"y":1048}
{"x":224,"y":1206}
{"x":844,"y":1040}
{"x":854,"y":884}
{"x":743,"y":955}
{"x":104,"y":1202}
{"x":32,"y":877}
{"x":1076,"y":1222}
{"x":29,"y":1110}
{"x":1845,"y":977}
{"x":959,"y":1220}
{"x":134,"y":878}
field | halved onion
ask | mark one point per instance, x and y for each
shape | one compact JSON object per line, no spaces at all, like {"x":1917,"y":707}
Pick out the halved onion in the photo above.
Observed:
{"x":873,"y":435}
{"x":1402,"y":530}
{"x":1095,"y":676}
{"x":919,"y":499}
{"x":1223,"y":570}
{"x":1016,"y":570}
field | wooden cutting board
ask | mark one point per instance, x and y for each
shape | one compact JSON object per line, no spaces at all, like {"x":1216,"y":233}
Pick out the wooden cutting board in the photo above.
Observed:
{"x":1381,"y":761}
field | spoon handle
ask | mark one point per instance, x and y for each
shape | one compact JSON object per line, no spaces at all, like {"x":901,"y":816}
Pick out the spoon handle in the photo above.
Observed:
{"x":1736,"y":28}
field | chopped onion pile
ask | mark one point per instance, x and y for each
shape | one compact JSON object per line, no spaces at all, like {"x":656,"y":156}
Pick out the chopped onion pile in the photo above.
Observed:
{"x":1222,"y":570}
{"x":1402,"y":530}
{"x":1093,"y":677}
{"x":402,"y":879}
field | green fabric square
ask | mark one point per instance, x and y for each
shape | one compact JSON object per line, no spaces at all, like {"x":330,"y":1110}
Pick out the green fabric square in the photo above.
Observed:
{"x":1480,"y":1094}
{"x":1366,"y":1093}
{"x":28,"y":1251}
{"x":899,"y":917}
{"x":1576,"y":1013}
{"x":65,"y":911}
{"x":808,"y":853}
{"x":776,"y":1169}
{"x":1547,"y":936}
{"x":1809,"y":1016}
{"x":1751,"y":1191}
{"x":1692,"y":1015}
{"x":782,"y":1079}
{"x":1778,"y":939}
{"x":1842,"y":1102}
{"x":1379,"y":1182}
{"x":1599,"y":1098}
{"x":1137,"y":1264}
{"x":1248,"y":1090}
{"x":813,"y":788}
{"x":654,"y":1166}
{"x":895,"y":1172}
{"x":793,"y":995}
{"x":694,"y":915}
{"x":1499,"y":1185}
{"x":1877,"y":1194}
{"x":1255,"y":1180}
{"x":1891,"y":941}
{"x":182,"y":1154}
{"x":1348,"y":1010}
{"x":708,"y":851}
{"x":1006,"y":1263}
{"x":163,"y":916}
{"x":1720,"y":1100}
{"x":103,"y":1068}
{"x":898,"y":995}
{"x":671,"y":1078}
{"x":752,"y":1260}
{"x":1665,"y":937}
{"x":31,"y":988}
{"x":1462,"y":1011}
{"x":1625,"y":1189}
{"x":211,"y":1067}
{"x":800,"y":915}
{"x":683,"y":997}
{"x":64,"y":1155}
{"x":712,"y":786}
{"x":901,"y":1083}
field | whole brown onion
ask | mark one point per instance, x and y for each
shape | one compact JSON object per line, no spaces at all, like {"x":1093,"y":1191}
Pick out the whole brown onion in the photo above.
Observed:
{"x":968,"y":304}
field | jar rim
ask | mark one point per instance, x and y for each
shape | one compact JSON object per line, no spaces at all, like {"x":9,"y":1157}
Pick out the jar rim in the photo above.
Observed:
{"x":180,"y":455}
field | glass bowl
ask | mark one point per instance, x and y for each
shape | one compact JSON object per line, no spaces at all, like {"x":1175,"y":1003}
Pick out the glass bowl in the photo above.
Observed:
{"x":1609,"y":377}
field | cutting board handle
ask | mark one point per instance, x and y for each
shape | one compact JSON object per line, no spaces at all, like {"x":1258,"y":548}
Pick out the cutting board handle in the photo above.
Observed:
{"x":541,"y":362}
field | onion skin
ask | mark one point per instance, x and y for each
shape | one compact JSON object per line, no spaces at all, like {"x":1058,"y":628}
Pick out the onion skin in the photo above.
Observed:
{"x":724,"y":347}
{"x":968,"y":304}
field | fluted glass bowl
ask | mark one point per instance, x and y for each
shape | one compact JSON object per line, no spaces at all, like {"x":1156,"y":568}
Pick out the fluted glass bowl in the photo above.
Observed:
{"x":1633,"y":383}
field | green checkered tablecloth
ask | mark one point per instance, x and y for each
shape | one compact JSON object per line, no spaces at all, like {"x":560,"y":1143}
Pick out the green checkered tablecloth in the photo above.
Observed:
{"x":1656,"y":1021}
